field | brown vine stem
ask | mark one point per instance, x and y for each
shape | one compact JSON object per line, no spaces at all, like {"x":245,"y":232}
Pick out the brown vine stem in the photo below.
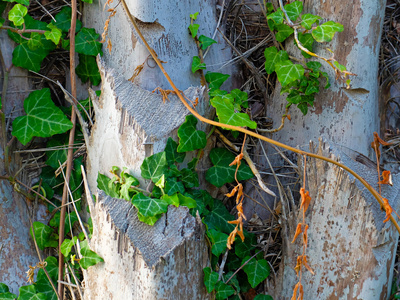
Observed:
{"x":246,"y":131}
{"x":70,"y":155}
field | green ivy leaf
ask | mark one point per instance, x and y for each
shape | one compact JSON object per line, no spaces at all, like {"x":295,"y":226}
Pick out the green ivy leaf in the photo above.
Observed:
{"x":307,"y":40}
{"x":206,"y":42}
{"x":303,"y":107}
{"x":223,"y":290}
{"x":194,"y":16}
{"x":243,"y":249}
{"x":17,"y":14}
{"x":276,"y":17}
{"x":153,"y":167}
{"x":193,"y":28}
{"x":51,"y":268}
{"x":288,"y":72}
{"x":43,"y":284}
{"x":63,"y":20}
{"x":35,"y":41}
{"x":256,"y":270}
{"x":23,"y":2}
{"x":43,"y":118}
{"x":86,"y":42}
{"x":42,"y":234}
{"x":263,"y":297}
{"x":27,"y":58}
{"x":7,"y":296}
{"x":240,"y":98}
{"x":308,"y":20}
{"x":284,"y":31}
{"x":70,"y":220}
{"x":4,"y":288}
{"x":326,"y":31}
{"x":272,"y":56}
{"x":197,"y":64}
{"x":227,"y":115}
{"x":67,"y":245}
{"x":189,"y":138}
{"x":149,"y":220}
{"x":215,"y":80}
{"x":103,"y":183}
{"x":218,"y":218}
{"x":314,"y":65}
{"x":126,"y":187}
{"x":294,"y":9}
{"x":172,"y":186}
{"x":54,"y":35}
{"x":149,"y":207}
{"x":221,"y":172}
{"x":210,"y":279}
{"x":171,"y":200}
{"x":189,"y":178}
{"x":339,"y":66}
{"x":87,"y":69}
{"x":186,"y":201}
{"x":172,"y":154}
{"x":28,"y":292}
{"x":89,"y":258}
{"x":218,"y":241}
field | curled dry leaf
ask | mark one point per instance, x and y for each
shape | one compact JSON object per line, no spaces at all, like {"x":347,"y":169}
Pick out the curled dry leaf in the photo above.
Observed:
{"x":237,"y":160}
{"x":305,"y":199}
{"x":297,"y":233}
{"x":305,"y":263}
{"x":388,"y":209}
{"x":386,"y":178}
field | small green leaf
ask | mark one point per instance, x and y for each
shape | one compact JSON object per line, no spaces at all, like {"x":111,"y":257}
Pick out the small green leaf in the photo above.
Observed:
{"x":194,"y":16}
{"x":87,"y":69}
{"x":307,"y":41}
{"x":17,"y":14}
{"x":223,"y":290}
{"x":284,"y":31}
{"x":326,"y":31}
{"x":126,"y":187}
{"x":308,"y":20}
{"x":103,"y":183}
{"x":42,"y":234}
{"x":186,"y":201}
{"x":218,"y":241}
{"x":28,"y":292}
{"x":221,"y":172}
{"x":86,"y":42}
{"x":161,"y":182}
{"x":172,"y":154}
{"x":35,"y":41}
{"x":288,"y":72}
{"x":272,"y":56}
{"x":339,"y":66}
{"x":7,"y":296}
{"x":243,"y":249}
{"x":171,"y":200}
{"x":27,"y":58}
{"x":215,"y":80}
{"x":67,"y":245}
{"x":227,"y":115}
{"x":303,"y":107}
{"x":189,"y":138}
{"x":4,"y":288}
{"x":197,"y":64}
{"x":189,"y":178}
{"x":276,"y":17}
{"x":240,"y":97}
{"x":172,"y":186}
{"x":51,"y":268}
{"x":314,"y":65}
{"x":206,"y":42}
{"x":43,"y":118}
{"x":193,"y":28}
{"x":256,"y":270}
{"x":294,"y":9}
{"x":210,"y":279}
{"x":149,"y":220}
{"x":154,"y":166}
{"x":149,"y":207}
{"x":54,"y":35}
{"x":63,"y":20}
{"x":218,"y":218}
{"x":89,"y":258}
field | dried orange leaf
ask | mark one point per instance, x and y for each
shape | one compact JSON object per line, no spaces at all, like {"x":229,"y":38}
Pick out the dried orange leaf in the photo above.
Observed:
{"x":239,"y":195}
{"x":386,"y":178}
{"x":296,"y":287}
{"x":305,"y":263}
{"x":236,"y":222}
{"x":388,"y":209}
{"x":380,"y":141}
{"x":301,"y":293}
{"x":289,"y":117}
{"x":297,"y":268}
{"x":237,"y":160}
{"x":305,"y":236}
{"x":305,"y":199}
{"x":233,"y":192}
{"x":231,"y":239}
{"x":297,"y":233}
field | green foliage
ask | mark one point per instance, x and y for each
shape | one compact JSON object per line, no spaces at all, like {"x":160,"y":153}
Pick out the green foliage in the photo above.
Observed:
{"x":29,"y":292}
{"x":193,"y":28}
{"x":325,"y":32}
{"x":87,"y":69}
{"x":42,"y":234}
{"x":189,"y":138}
{"x":197,"y":64}
{"x":215,"y":80}
{"x":206,"y":42}
{"x":86,"y":42}
{"x":154,"y":166}
{"x":89,"y":258}
{"x":256,"y":270}
{"x":17,"y":14}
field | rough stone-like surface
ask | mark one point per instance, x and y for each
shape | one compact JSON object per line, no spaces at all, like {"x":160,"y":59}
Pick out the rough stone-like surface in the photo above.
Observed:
{"x":164,"y":261}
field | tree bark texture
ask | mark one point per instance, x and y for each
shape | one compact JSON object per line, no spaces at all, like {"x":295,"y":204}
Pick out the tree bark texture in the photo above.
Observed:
{"x":350,"y":249}
{"x":17,"y":251}
{"x":163,"y":261}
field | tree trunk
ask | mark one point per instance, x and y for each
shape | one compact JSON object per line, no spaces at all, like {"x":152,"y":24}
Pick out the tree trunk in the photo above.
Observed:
{"x":164,"y":261}
{"x":17,"y":251}
{"x":349,"y":248}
